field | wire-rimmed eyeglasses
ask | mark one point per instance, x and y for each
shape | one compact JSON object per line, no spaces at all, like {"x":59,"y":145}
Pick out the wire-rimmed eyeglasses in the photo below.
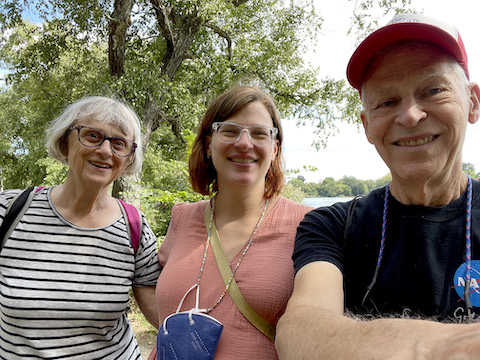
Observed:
{"x":91,"y":137}
{"x":230,"y":133}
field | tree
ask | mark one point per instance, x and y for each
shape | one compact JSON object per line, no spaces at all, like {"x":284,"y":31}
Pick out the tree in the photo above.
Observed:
{"x":469,"y":169}
{"x":39,"y":87}
{"x":166,"y":58}
{"x":357,"y":187}
{"x":170,"y":58}
{"x":381,"y":182}
{"x":294,"y":193}
{"x":301,"y":178}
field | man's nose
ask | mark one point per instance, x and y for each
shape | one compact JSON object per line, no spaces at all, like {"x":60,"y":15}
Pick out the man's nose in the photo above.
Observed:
{"x":410,"y":113}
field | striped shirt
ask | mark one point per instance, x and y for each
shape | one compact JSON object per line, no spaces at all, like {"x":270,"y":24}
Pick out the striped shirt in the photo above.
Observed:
{"x":64,"y":289}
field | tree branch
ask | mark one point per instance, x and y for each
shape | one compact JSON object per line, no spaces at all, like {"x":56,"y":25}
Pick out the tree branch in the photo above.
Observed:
{"x":223,"y":34}
{"x":237,"y":3}
{"x":163,"y":21}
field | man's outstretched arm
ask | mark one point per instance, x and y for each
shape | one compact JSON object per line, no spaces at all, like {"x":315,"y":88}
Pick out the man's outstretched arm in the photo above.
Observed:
{"x":314,"y":327}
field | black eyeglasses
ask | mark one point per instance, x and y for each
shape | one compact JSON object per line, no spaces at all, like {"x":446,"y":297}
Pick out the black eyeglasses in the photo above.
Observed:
{"x":91,"y":137}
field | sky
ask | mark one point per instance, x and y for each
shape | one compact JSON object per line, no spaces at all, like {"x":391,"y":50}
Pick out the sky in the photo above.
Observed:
{"x":349,"y":153}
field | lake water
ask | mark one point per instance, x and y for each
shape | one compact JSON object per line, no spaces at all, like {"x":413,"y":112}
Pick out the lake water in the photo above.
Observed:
{"x":325,"y":201}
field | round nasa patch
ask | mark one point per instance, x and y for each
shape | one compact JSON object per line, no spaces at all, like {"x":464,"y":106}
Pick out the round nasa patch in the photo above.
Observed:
{"x":459,"y":282}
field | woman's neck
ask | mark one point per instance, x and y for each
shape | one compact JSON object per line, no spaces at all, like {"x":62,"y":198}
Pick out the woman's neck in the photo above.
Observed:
{"x":239,"y":204}
{"x":82,"y":199}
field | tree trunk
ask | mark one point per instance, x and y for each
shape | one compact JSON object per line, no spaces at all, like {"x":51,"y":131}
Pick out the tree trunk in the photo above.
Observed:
{"x":128,"y":189}
{"x":119,"y":23}
{"x":178,"y":39}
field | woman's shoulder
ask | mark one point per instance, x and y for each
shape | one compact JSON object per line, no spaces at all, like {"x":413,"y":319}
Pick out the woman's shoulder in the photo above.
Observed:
{"x":182,"y":209}
{"x":187,"y":206}
{"x":289,"y":210}
{"x":8,"y":195}
{"x":293,"y":205}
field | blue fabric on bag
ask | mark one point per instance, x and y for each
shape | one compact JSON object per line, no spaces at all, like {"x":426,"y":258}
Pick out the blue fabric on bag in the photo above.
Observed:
{"x":190,"y":335}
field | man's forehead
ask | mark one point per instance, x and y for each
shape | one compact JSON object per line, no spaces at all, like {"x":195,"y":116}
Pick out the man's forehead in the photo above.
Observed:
{"x":413,"y":55}
{"x":384,"y":80}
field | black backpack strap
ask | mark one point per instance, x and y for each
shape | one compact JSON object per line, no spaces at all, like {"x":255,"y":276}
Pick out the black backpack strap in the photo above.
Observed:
{"x":350,"y":213}
{"x":14,"y":211}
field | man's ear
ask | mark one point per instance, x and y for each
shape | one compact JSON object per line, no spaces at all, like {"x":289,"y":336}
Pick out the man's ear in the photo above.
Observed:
{"x":365,"y":126}
{"x":474,"y":112}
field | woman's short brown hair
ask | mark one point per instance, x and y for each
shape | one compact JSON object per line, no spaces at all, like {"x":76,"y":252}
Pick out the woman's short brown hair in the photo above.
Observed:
{"x":203,"y":175}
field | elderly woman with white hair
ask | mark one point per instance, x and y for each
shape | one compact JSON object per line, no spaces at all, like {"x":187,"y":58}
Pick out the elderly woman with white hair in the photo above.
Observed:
{"x":67,"y":267}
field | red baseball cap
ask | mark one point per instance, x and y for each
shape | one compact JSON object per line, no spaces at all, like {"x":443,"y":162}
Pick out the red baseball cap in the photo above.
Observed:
{"x":406,"y":27}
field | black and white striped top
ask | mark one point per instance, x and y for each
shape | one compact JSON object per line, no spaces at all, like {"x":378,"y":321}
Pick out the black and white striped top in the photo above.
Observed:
{"x":64,"y":289}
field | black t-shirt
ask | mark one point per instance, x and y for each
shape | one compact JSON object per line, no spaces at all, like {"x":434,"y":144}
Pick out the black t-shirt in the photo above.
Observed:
{"x":424,"y":247}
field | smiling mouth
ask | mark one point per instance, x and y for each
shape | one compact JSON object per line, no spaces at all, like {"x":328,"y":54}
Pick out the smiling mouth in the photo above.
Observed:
{"x":417,"y":142}
{"x":101,"y":166}
{"x":243,"y":161}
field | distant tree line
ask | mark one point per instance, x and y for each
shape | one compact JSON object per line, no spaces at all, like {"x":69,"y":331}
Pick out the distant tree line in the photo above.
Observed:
{"x":346,"y":186}
{"x":351,"y":186}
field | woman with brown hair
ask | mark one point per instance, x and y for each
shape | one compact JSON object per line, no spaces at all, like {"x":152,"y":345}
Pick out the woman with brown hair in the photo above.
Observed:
{"x":237,"y":160}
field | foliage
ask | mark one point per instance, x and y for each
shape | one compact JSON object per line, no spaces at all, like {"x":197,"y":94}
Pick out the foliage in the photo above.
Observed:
{"x":329,"y":187}
{"x":351,"y":186}
{"x":365,"y":19}
{"x":167,"y":59}
{"x":157,"y":206}
{"x":294,"y":193}
{"x":469,"y":169}
{"x":55,"y":172}
{"x":38,"y":88}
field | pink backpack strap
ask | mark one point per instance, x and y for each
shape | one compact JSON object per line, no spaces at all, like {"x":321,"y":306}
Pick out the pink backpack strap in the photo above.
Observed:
{"x":134,"y":223}
{"x":39,"y":188}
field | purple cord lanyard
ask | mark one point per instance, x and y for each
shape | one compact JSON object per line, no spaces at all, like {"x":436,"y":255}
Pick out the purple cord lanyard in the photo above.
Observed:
{"x":468,"y":250}
{"x":468,"y":246}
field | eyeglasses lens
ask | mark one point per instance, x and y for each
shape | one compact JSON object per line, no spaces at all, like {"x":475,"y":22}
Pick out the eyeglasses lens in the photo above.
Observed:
{"x":230,"y":133}
{"x":93,"y":138}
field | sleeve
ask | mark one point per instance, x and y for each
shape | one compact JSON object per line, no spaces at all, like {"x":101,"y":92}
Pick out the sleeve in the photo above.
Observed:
{"x":5,"y":198}
{"x":320,"y":236}
{"x":177,"y":214}
{"x":147,"y":267}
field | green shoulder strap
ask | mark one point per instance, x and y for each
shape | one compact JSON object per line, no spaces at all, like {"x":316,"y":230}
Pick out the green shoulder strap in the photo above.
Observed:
{"x":251,"y":315}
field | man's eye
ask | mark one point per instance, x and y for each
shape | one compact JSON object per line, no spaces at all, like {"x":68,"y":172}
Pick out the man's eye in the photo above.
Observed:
{"x":386,"y":103}
{"x":434,"y":91}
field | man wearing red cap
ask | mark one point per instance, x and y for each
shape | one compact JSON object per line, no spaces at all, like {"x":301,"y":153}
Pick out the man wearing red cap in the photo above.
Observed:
{"x":409,"y":251}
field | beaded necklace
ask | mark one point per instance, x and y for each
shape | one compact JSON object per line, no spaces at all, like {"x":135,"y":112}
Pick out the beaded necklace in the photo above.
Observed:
{"x":207,"y":243}
{"x":468,"y":246}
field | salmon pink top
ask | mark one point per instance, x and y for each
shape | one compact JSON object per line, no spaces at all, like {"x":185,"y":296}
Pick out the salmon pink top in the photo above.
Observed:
{"x":265,"y":276}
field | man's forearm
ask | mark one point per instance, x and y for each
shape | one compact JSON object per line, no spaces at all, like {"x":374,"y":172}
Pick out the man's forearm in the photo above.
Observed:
{"x":309,"y":333}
